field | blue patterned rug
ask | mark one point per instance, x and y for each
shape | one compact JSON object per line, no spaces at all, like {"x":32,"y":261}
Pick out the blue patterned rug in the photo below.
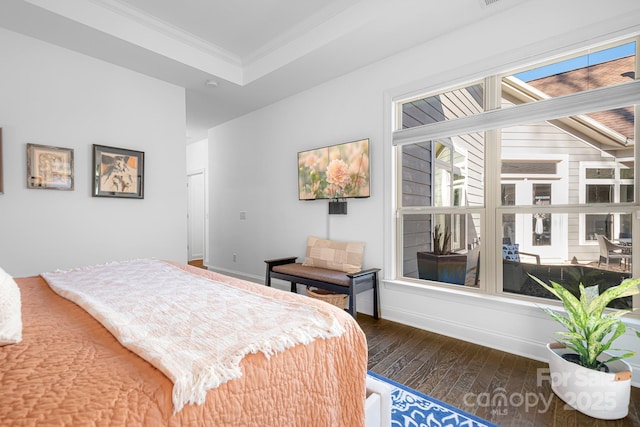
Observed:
{"x":410,"y":408}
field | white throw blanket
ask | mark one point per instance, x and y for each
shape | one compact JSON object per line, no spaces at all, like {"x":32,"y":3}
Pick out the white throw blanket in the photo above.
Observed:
{"x":195,"y":330}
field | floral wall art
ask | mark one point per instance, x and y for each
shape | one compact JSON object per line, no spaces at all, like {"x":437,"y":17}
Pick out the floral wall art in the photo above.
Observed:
{"x":335,"y":172}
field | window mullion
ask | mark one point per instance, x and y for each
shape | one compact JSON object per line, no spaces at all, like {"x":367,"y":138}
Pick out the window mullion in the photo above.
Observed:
{"x":635,"y":218}
{"x":492,"y":189}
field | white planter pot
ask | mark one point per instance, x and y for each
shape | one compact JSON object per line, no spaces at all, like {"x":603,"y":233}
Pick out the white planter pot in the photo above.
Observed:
{"x":603,"y":395}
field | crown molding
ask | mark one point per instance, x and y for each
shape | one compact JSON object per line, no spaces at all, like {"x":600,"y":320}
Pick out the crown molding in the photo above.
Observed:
{"x":145,"y":19}
{"x":121,"y":21}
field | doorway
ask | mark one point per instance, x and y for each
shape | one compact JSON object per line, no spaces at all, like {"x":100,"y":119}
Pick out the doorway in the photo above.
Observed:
{"x":541,"y":233}
{"x":196,"y":216}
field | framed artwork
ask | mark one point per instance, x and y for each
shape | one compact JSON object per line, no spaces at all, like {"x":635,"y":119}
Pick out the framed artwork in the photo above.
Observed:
{"x":118,"y":172}
{"x":1,"y":171}
{"x":49,"y":168}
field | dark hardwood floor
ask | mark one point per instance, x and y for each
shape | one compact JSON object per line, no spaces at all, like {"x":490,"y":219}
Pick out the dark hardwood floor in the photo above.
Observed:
{"x":197,"y":263}
{"x":470,"y":377}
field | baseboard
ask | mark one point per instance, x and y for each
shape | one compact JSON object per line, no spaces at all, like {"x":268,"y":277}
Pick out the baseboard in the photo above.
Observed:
{"x":277,"y":284}
{"x":487,"y":338}
{"x":237,"y":274}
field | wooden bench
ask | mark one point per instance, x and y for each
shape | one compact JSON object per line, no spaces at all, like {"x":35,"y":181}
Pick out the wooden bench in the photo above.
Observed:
{"x":323,"y":278}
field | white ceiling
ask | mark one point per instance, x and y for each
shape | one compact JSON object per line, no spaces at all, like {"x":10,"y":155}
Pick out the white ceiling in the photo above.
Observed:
{"x":257,"y":51}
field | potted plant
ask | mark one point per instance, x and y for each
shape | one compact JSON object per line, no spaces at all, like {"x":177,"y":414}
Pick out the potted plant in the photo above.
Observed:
{"x":442,"y":265}
{"x":587,"y":378}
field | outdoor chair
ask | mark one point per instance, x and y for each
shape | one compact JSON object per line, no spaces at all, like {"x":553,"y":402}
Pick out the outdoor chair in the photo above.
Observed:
{"x":613,"y":251}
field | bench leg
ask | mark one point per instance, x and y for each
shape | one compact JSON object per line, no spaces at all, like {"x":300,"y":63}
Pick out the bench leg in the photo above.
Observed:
{"x":294,"y":287}
{"x":352,"y":301}
{"x":375,"y":295}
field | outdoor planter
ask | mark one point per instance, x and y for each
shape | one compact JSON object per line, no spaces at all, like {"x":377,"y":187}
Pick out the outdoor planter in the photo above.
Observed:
{"x":450,"y":268}
{"x":603,"y":395}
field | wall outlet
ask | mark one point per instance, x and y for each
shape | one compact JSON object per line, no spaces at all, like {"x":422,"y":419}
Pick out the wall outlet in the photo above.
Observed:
{"x":235,"y":257}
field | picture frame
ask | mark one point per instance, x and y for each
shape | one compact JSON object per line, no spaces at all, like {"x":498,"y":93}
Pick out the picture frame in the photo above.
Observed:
{"x":49,"y":168}
{"x":117,"y":172}
{"x":1,"y":169}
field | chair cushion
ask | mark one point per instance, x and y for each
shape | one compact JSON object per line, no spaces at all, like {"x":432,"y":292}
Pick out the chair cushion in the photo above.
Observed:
{"x":511,"y":252}
{"x":334,"y":255}
{"x":321,"y":274}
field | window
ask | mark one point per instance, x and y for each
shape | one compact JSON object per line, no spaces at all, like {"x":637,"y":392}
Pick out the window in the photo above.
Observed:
{"x":606,"y":183}
{"x":598,"y":67}
{"x":440,"y":181}
{"x":527,"y":167}
{"x":449,"y":105}
{"x":564,"y":173}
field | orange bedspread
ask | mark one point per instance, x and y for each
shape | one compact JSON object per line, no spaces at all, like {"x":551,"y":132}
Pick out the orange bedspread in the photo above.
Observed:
{"x":69,"y":370}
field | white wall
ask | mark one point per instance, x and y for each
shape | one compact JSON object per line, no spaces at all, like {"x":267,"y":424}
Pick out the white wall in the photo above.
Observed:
{"x":253,"y":163}
{"x":254,"y":170}
{"x":197,"y":156}
{"x":53,"y":96}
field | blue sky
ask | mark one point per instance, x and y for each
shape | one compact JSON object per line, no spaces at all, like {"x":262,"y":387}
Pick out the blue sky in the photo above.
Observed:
{"x":579,"y":62}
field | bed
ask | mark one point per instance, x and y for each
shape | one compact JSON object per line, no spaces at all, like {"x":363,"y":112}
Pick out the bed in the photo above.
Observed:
{"x":69,"y":369}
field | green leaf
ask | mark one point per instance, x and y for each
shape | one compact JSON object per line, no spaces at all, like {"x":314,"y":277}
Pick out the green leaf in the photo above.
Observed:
{"x":628,"y":287}
{"x":620,"y":330}
{"x":623,"y":356}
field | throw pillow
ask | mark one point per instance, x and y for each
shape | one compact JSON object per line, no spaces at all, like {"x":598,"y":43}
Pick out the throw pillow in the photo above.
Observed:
{"x":334,"y":255}
{"x":511,"y":252}
{"x":10,"y":310}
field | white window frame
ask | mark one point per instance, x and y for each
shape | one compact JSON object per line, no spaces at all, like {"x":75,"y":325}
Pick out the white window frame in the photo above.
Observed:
{"x":599,"y":99}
